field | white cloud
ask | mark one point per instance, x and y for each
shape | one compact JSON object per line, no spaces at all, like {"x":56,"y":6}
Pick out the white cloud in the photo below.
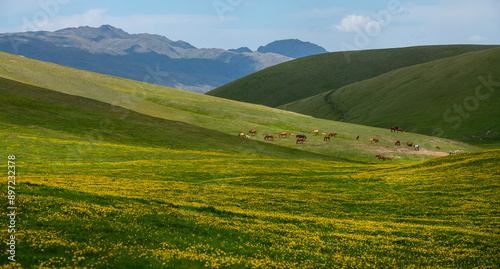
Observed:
{"x":354,"y":23}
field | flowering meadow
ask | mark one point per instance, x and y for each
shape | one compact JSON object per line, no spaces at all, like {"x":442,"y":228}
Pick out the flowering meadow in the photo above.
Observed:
{"x":111,"y":205}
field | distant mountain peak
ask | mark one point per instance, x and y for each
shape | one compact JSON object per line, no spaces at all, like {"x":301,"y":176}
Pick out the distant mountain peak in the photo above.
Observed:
{"x":97,"y":34}
{"x":292,"y":48}
{"x":241,"y":50}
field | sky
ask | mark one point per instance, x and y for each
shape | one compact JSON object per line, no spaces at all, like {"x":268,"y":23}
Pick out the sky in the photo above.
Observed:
{"x":336,"y":25}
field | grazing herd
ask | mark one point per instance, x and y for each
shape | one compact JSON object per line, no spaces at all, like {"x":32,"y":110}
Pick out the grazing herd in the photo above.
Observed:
{"x":301,"y":139}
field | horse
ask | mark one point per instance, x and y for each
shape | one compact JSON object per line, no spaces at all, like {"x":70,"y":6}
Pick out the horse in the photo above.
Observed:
{"x":301,"y":140}
{"x":357,"y":137}
{"x":316,"y":132}
{"x":438,"y":147}
{"x":252,"y":132}
{"x":333,"y":134}
{"x":301,"y":136}
{"x":285,"y":134}
{"x":374,"y":140}
{"x":394,"y":129}
{"x":380,"y":157}
{"x":242,"y":135}
{"x":409,"y":144}
{"x":417,"y":147}
{"x":399,"y":130}
{"x":291,"y":134}
{"x":326,"y":138}
{"x":398,"y":143}
{"x":269,"y":137}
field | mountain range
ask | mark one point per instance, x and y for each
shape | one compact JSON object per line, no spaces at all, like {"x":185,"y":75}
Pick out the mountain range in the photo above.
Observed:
{"x":151,"y":58}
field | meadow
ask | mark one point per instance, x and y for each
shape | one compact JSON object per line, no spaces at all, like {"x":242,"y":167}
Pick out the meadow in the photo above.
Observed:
{"x":112,"y":173}
{"x":120,"y":206}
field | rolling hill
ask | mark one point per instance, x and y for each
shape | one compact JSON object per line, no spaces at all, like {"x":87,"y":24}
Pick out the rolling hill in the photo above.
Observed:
{"x":455,"y":97}
{"x":221,"y":115}
{"x":305,"y":77}
{"x":115,"y":173}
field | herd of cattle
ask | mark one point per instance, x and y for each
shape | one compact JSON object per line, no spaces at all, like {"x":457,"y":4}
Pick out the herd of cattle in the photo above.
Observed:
{"x":301,"y":139}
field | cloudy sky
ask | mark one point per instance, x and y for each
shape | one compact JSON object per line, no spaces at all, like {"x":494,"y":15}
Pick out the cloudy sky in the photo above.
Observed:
{"x":336,"y":25}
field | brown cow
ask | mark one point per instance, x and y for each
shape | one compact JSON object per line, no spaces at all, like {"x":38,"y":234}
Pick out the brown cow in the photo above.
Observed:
{"x":301,"y":140}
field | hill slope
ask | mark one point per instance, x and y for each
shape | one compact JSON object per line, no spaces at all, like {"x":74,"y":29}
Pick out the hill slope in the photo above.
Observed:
{"x":309,"y":76}
{"x":222,"y":115}
{"x":456,"y":97}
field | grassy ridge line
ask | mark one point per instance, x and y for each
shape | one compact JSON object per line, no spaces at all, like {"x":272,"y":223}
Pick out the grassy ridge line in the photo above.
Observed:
{"x":30,"y":107}
{"x":428,"y":93}
{"x":217,"y":114}
{"x":309,"y":76}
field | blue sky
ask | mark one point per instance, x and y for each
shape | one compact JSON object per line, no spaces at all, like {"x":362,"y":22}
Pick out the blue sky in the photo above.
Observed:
{"x":335,"y":25}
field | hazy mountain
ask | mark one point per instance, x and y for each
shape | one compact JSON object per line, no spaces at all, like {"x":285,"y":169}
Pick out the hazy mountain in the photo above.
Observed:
{"x":144,"y":57}
{"x":241,"y":50}
{"x":293,"y":48}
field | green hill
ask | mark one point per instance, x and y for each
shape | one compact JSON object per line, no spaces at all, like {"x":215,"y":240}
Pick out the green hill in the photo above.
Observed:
{"x":309,"y":76}
{"x":222,"y":115}
{"x":111,"y":173}
{"x":456,"y":97}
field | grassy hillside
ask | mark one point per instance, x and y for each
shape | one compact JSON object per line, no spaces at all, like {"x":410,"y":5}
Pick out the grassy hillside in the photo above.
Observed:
{"x":121,"y":174}
{"x":221,"y":115}
{"x":456,"y":97}
{"x":122,"y":205}
{"x":29,"y":107}
{"x":309,"y":76}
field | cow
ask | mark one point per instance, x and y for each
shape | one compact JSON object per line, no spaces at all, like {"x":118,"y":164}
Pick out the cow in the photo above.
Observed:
{"x":398,"y":143}
{"x":301,"y":140}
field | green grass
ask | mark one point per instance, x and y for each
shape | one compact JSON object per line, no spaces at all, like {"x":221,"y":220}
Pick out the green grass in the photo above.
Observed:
{"x":102,"y":186}
{"x":117,"y":205}
{"x":426,"y":93}
{"x":216,"y":114}
{"x":309,"y":76}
